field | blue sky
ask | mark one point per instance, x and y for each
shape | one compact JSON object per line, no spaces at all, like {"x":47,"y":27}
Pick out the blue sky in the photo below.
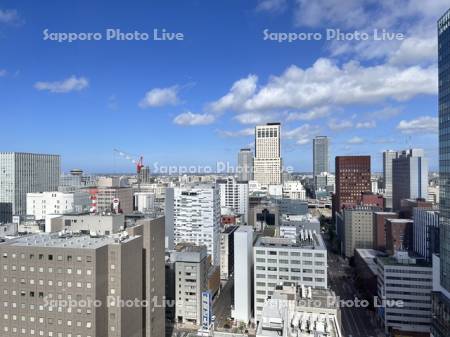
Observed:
{"x":194,"y":102}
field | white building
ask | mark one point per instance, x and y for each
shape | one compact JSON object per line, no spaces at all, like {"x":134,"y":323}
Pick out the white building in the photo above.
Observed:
{"x":243,"y":269}
{"x":402,"y":278}
{"x":144,"y":201}
{"x":196,"y":217}
{"x":23,"y":173}
{"x":294,"y":190}
{"x":43,"y":203}
{"x":300,"y":260}
{"x":234,"y":195}
{"x":267,"y":163}
{"x":298,"y":311}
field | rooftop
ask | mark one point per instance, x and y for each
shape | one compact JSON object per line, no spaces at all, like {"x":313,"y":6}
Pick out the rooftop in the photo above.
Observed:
{"x":307,"y":239}
{"x":68,"y":240}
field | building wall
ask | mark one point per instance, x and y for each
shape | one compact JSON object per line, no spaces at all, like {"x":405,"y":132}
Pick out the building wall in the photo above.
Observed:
{"x":243,"y":270}
{"x":245,"y":165}
{"x":352,"y":178}
{"x":379,"y":229}
{"x":426,"y":232}
{"x":276,"y":263}
{"x":267,"y":162}
{"x":24,"y":173}
{"x":444,"y":148}
{"x":41,"y":204}
{"x":197,"y":218}
{"x":358,"y":230}
{"x":152,"y":232}
{"x":63,"y":273}
{"x":409,"y":177}
{"x":398,"y":235}
{"x":320,"y":155}
{"x":411,"y":284}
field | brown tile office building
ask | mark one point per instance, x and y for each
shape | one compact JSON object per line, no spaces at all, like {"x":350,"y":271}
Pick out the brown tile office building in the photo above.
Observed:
{"x":352,"y":179}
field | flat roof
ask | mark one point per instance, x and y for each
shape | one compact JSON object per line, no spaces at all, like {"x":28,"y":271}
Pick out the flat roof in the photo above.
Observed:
{"x":54,"y":240}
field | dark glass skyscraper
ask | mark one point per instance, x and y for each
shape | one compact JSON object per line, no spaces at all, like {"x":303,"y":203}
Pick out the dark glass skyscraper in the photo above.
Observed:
{"x":440,"y":301}
{"x":444,"y":144}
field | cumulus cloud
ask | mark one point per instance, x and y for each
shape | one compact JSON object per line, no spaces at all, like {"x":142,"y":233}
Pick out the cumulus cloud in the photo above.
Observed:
{"x":240,"y":91}
{"x":301,"y":135}
{"x":310,"y":115}
{"x":325,"y":83}
{"x":191,"y":119}
{"x":422,"y":125}
{"x":415,"y":19}
{"x":256,"y":117}
{"x":355,"y":140}
{"x":72,"y":83}
{"x":158,"y":97}
{"x":238,"y":133}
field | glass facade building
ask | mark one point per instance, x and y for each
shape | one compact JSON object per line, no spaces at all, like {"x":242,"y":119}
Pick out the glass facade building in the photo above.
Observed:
{"x":444,"y":145}
{"x":440,"y":309}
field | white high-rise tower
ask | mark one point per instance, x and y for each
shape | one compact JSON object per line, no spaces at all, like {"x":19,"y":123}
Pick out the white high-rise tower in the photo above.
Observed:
{"x":267,"y":163}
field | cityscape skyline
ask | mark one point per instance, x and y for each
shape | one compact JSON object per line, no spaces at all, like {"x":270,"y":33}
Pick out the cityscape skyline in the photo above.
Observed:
{"x":169,"y":89}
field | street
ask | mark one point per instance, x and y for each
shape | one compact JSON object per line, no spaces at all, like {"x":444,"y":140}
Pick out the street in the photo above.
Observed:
{"x":356,"y":322}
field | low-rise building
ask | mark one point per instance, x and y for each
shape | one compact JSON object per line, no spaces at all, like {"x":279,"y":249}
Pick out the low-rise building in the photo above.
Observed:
{"x":43,"y":203}
{"x":88,"y":223}
{"x":294,"y":311}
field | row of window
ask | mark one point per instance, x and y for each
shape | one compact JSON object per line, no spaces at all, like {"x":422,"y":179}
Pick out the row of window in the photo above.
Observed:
{"x":50,"y":257}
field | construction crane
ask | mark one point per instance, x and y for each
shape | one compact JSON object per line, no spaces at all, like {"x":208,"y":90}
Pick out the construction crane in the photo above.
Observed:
{"x":139,"y":163}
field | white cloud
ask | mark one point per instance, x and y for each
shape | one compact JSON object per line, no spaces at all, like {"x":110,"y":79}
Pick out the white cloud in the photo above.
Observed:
{"x":422,"y":125}
{"x":2,"y":72}
{"x":191,"y":119}
{"x":238,"y":133}
{"x":355,"y":140}
{"x":366,"y":125}
{"x":301,"y":135}
{"x":238,"y":94}
{"x":158,"y":97}
{"x":339,"y":125}
{"x":312,"y":114}
{"x":416,"y":19}
{"x":325,"y":83}
{"x":271,"y":5}
{"x":255,"y":117}
{"x":9,"y":16}
{"x":72,"y":83}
